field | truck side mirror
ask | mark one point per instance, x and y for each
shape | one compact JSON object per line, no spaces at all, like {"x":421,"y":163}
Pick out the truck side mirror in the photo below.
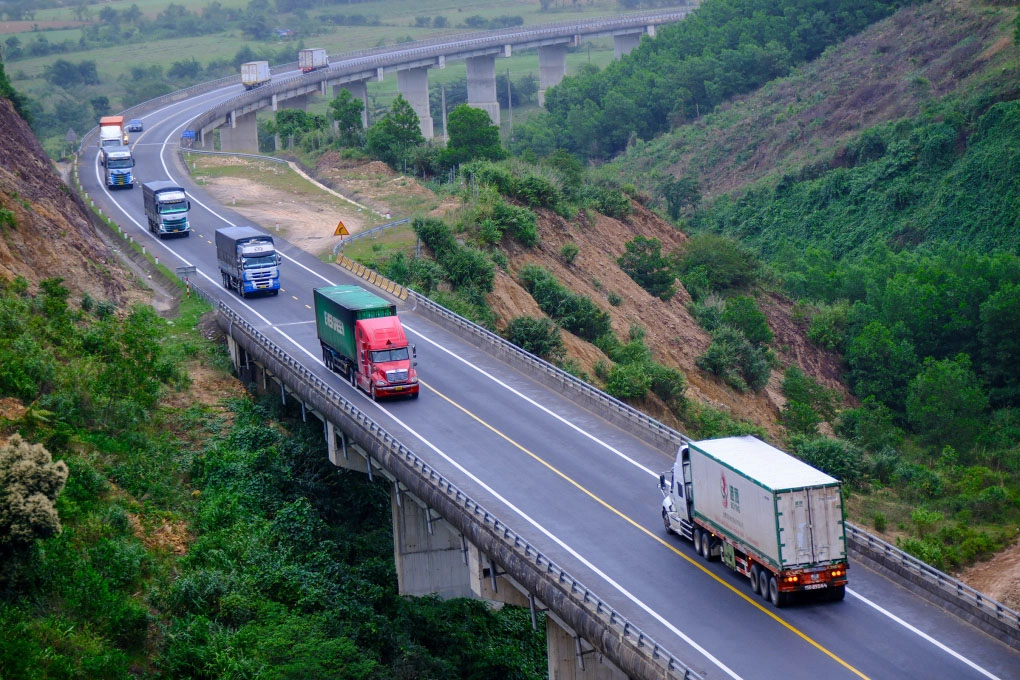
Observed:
{"x":189,"y":205}
{"x":662,"y":482}
{"x":279,"y":259}
{"x":132,"y":163}
{"x":414,"y":352}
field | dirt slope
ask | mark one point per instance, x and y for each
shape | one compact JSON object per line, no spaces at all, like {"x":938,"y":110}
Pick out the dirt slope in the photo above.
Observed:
{"x":53,"y":235}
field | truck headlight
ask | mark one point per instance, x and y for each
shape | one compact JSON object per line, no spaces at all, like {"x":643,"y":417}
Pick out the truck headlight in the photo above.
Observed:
{"x":380,"y":383}
{"x":413,"y":379}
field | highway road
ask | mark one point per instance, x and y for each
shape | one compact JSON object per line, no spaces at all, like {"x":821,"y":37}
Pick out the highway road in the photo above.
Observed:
{"x":579,"y":489}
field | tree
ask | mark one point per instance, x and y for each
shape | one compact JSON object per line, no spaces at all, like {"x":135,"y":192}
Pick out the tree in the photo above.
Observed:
{"x":945,"y":403}
{"x":681,"y":193}
{"x":395,"y":134}
{"x":29,"y":484}
{"x":100,"y":105}
{"x":109,"y":15}
{"x":881,"y":365}
{"x":346,"y":110}
{"x":472,"y":136}
{"x":1000,"y":343}
{"x":643,"y":262}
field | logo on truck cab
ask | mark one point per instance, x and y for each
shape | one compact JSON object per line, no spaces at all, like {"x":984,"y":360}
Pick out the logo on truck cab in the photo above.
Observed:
{"x":333,"y":322}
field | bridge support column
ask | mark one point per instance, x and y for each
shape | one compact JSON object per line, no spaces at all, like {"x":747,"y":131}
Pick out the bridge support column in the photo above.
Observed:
{"x":241,"y":135}
{"x":481,"y":85}
{"x":429,"y":554}
{"x":358,"y":90}
{"x":572,"y":658}
{"x":623,"y":44}
{"x":413,"y":83}
{"x":552,"y":66}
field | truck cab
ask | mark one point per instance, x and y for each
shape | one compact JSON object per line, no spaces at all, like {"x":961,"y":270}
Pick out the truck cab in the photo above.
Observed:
{"x":678,"y":495}
{"x":166,"y":208}
{"x":119,"y":162}
{"x":385,"y":366}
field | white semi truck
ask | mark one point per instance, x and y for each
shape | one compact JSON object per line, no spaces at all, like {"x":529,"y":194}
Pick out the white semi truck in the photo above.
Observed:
{"x":312,"y":59}
{"x":765,"y":514}
{"x":255,"y":74}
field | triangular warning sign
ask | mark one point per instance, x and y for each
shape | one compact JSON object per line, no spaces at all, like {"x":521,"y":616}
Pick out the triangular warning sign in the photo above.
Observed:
{"x":341,"y":230}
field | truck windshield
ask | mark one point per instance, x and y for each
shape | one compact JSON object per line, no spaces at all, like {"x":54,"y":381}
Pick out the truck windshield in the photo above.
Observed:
{"x":115,"y":141}
{"x":260,"y":262}
{"x":170,"y":208}
{"x":385,"y":355}
{"x":118,"y":163}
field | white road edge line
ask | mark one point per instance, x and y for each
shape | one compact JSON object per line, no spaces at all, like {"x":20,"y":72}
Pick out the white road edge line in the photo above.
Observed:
{"x":470,"y":475}
{"x":925,"y":636}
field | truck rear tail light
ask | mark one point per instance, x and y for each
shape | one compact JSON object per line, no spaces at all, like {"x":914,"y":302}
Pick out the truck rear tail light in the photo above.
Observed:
{"x":837,"y":572}
{"x":792,"y":579}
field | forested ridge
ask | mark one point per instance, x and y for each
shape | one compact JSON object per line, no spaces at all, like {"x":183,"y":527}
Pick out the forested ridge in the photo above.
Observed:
{"x":725,"y":48}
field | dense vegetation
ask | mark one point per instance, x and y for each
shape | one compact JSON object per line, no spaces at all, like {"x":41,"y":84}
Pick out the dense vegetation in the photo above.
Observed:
{"x":725,"y":48}
{"x":197,"y":541}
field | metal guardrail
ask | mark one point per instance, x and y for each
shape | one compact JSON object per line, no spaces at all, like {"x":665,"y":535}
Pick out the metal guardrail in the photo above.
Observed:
{"x":353,"y":62}
{"x":936,"y":582}
{"x":578,"y":594}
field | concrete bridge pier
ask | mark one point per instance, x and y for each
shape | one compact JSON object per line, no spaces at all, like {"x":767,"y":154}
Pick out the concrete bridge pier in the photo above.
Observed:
{"x":571,"y":657}
{"x":625,"y":42}
{"x":552,"y":66}
{"x":358,"y":90}
{"x":430,"y":555}
{"x":242,"y":134}
{"x":481,"y":85}
{"x":413,"y":83}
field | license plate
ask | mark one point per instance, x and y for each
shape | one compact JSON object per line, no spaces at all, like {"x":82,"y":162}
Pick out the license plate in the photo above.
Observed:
{"x":397,"y":389}
{"x":816,"y":586}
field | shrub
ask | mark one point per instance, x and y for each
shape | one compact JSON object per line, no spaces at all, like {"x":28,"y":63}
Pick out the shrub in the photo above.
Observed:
{"x":832,"y":456}
{"x":743,"y":314}
{"x":628,"y":381}
{"x":668,"y":384}
{"x":31,"y":482}
{"x":436,"y":235}
{"x":569,"y":252}
{"x":945,"y":402}
{"x":720,"y":263}
{"x":520,"y":223}
{"x":732,"y":358}
{"x":614,"y":299}
{"x":577,"y":313}
{"x":541,"y":337}
{"x":643,"y":261}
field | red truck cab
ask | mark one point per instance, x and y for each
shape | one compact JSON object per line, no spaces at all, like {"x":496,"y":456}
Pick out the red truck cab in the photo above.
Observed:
{"x":385,"y":360}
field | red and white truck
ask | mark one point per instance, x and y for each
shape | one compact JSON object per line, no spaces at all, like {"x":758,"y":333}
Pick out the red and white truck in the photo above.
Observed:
{"x":765,"y":514}
{"x":362,"y":339}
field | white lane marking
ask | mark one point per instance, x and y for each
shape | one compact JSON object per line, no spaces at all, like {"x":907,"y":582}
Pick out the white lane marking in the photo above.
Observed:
{"x":654,"y":474}
{"x":162,"y":158}
{"x":534,"y":403}
{"x":547,"y":411}
{"x":925,"y":636}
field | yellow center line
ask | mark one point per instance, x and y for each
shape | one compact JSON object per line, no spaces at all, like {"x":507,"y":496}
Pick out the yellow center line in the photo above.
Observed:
{"x":747,"y":598}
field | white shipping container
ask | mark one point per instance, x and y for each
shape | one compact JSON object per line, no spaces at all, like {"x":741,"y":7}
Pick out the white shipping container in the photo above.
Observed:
{"x":254,"y":73}
{"x":313,"y":58}
{"x":787,"y":511}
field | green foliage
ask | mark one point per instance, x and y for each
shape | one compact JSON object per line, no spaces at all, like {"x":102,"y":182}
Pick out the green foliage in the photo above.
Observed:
{"x":8,"y":92}
{"x":743,"y":314}
{"x":577,"y":313}
{"x":725,"y":48}
{"x":1000,"y":342}
{"x":29,"y":484}
{"x":526,"y":184}
{"x":838,"y":458}
{"x":628,"y":381}
{"x":464,"y":267}
{"x":643,"y":261}
{"x":393,"y":136}
{"x":828,"y":328}
{"x":881,"y":365}
{"x":521,"y":223}
{"x":680,"y":194}
{"x":471,"y":136}
{"x":711,"y":263}
{"x":541,"y":337}
{"x":346,"y":110}
{"x":569,"y":252}
{"x":946,"y":403}
{"x":733,"y":358}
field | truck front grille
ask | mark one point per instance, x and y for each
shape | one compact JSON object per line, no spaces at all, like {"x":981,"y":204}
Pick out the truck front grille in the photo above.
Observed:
{"x":398,"y":376}
{"x":120,"y":180}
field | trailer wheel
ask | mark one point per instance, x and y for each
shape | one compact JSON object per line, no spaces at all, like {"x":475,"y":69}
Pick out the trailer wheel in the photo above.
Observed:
{"x":226,"y":281}
{"x":778,"y":599}
{"x":665,"y":520}
{"x":763,"y":583}
{"x":754,"y":578}
{"x":697,"y":541}
{"x":327,"y":359}
{"x":837,"y":594}
{"x":706,"y":547}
